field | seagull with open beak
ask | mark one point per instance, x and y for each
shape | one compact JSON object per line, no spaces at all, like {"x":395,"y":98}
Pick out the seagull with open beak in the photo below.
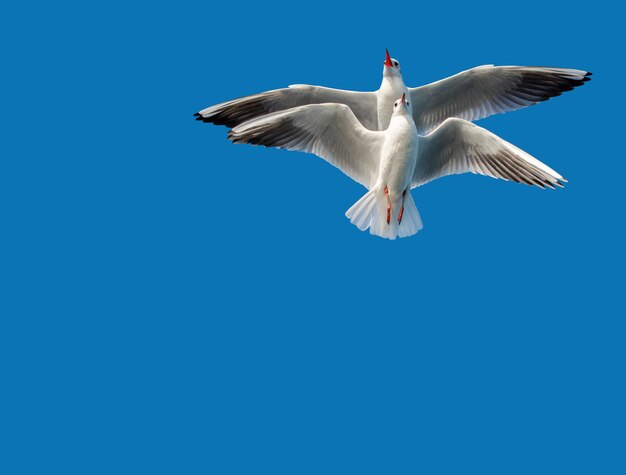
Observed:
{"x":390,"y":89}
{"x":471,"y":95}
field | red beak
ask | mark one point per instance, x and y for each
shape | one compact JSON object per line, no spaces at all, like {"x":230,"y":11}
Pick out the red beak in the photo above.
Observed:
{"x":388,"y":59}
{"x":404,"y":97}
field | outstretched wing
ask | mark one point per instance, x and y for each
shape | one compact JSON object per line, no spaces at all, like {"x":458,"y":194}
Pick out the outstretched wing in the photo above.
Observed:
{"x":330,"y":131}
{"x":485,"y":90}
{"x":458,"y":146}
{"x":237,"y":111}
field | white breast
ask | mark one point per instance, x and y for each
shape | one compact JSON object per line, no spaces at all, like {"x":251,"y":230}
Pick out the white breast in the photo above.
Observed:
{"x":390,"y":91}
{"x":398,"y":155}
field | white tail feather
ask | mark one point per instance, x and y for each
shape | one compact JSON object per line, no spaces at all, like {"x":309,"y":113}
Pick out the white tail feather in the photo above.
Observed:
{"x":371,"y":212}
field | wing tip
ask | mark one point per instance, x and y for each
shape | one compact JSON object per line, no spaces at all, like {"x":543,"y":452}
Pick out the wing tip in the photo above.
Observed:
{"x":559,"y":182}
{"x":216,"y":120}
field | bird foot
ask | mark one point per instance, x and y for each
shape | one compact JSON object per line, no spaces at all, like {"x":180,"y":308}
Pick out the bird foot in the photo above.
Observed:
{"x":388,"y":205}
{"x":401,"y":208}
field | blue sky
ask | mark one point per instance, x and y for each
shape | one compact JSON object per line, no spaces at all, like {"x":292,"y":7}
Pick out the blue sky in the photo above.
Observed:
{"x":173,"y":303}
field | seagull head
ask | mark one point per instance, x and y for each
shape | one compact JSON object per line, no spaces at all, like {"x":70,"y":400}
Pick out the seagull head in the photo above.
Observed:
{"x":401,"y":106}
{"x":392,"y":66}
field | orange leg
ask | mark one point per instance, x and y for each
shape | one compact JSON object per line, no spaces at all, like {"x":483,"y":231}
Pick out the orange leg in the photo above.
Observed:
{"x":388,"y":205}
{"x":401,"y":208}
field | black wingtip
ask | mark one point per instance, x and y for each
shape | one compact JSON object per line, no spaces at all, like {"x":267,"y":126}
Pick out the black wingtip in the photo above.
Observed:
{"x":196,"y":114}
{"x":215,"y":121}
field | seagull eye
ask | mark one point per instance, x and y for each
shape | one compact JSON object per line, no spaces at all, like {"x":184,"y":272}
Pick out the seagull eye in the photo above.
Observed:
{"x":396,"y":63}
{"x":407,"y":103}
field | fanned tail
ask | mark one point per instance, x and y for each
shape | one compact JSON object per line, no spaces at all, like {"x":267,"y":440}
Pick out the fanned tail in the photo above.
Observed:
{"x":371,"y":212}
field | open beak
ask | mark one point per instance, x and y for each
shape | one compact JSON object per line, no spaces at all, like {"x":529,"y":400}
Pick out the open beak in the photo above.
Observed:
{"x":387,"y":59}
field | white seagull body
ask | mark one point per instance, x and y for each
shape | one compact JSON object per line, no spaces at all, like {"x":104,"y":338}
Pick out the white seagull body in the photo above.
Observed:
{"x":390,"y":163}
{"x":473,"y":94}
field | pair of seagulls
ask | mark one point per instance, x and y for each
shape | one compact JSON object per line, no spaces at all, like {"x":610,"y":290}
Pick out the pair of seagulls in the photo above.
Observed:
{"x":398,"y":138}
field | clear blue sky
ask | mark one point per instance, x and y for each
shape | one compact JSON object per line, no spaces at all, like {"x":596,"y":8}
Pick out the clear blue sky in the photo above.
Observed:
{"x":172,"y":303}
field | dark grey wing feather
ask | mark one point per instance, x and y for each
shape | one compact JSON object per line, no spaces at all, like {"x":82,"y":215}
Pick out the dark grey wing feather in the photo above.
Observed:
{"x":485,"y":90}
{"x":458,"y":146}
{"x":330,"y":131}
{"x":237,"y":111}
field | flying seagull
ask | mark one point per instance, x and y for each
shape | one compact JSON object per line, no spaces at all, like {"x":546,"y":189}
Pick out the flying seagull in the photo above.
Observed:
{"x":473,"y":94}
{"x":390,"y":163}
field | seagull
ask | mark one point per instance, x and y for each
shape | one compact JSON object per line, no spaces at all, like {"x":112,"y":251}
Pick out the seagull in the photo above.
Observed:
{"x":390,"y":163}
{"x":473,"y":94}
